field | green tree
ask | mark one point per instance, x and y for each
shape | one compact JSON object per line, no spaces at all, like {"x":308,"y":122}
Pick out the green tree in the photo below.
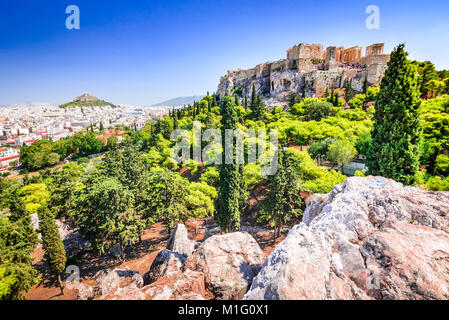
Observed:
{"x":294,"y":99}
{"x":104,"y":211}
{"x":163,"y":198}
{"x":318,"y":149}
{"x":396,"y":136}
{"x":228,"y":203}
{"x":52,"y":244}
{"x":17,"y":240}
{"x":282,"y":202}
{"x":341,"y":152}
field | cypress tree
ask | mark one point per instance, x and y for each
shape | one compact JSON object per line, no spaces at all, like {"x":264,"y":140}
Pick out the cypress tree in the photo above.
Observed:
{"x":237,"y":100}
{"x":52,"y":243}
{"x":282,"y":202}
{"x":175,"y":121}
{"x":396,"y":136}
{"x":331,"y":97}
{"x":229,"y":187}
{"x":335,"y":102}
{"x":246,"y":102}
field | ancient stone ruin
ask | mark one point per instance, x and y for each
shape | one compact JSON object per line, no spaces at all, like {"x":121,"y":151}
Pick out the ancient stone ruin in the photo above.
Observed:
{"x":311,"y":67}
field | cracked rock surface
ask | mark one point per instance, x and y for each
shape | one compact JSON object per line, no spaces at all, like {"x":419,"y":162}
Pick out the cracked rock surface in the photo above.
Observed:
{"x":369,"y":238}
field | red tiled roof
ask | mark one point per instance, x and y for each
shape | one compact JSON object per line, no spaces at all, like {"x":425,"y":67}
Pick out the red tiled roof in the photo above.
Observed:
{"x":9,"y":158}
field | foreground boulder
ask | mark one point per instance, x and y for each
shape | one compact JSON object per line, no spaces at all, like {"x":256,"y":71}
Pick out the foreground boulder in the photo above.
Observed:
{"x":116,"y":284}
{"x":188,"y":285}
{"x":165,"y":262}
{"x":229,"y":263}
{"x":370,"y":238}
{"x":180,"y":242}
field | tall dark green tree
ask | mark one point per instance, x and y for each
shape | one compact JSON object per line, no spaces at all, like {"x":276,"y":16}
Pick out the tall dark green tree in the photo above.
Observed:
{"x":229,"y":188}
{"x":257,"y":105}
{"x":175,"y":121}
{"x":52,"y":244}
{"x":282,"y":202}
{"x":396,"y":136}
{"x":336,"y":97}
{"x":17,"y":241}
{"x":294,"y":99}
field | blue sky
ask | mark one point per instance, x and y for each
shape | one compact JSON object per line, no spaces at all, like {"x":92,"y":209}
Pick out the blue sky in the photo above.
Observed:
{"x":142,"y":52}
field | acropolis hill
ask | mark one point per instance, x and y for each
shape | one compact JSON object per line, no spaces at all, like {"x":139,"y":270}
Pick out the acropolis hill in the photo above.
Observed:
{"x":311,"y":66}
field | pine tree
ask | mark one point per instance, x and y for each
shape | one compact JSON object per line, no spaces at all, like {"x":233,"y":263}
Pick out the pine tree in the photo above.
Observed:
{"x":336,"y":97}
{"x":228,"y":202}
{"x":52,"y":244}
{"x":331,"y":97}
{"x":304,"y":95}
{"x":294,"y":99}
{"x":175,"y":121}
{"x":348,"y":90}
{"x":237,"y":100}
{"x":246,"y":103}
{"x":396,"y":136}
{"x":282,"y":202}
{"x":17,"y":240}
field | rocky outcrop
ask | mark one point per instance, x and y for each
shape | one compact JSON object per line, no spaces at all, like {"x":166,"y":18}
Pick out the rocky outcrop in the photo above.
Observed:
{"x":116,"y":284}
{"x":188,"y":285}
{"x":180,"y":242}
{"x":229,"y":263}
{"x":111,"y":281}
{"x":165,"y":262}
{"x":370,"y":238}
{"x":308,"y":68}
{"x":221,"y":267}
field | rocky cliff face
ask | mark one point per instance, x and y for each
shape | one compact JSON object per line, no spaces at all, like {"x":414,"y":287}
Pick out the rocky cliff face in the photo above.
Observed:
{"x":308,"y":67}
{"x":370,"y":238}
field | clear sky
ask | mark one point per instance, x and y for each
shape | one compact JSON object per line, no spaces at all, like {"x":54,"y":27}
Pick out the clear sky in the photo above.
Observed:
{"x":141,"y":52}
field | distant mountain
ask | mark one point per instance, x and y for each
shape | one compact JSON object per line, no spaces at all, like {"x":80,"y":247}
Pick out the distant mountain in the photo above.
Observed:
{"x":179,"y":101}
{"x":29,"y":105}
{"x":86,"y":100}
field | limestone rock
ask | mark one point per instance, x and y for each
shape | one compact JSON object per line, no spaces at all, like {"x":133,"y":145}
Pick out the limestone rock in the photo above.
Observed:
{"x":180,"y":242}
{"x":369,"y":238}
{"x":107,"y":281}
{"x":229,"y":263}
{"x":188,"y":285}
{"x":85,"y":292}
{"x":165,"y":262}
